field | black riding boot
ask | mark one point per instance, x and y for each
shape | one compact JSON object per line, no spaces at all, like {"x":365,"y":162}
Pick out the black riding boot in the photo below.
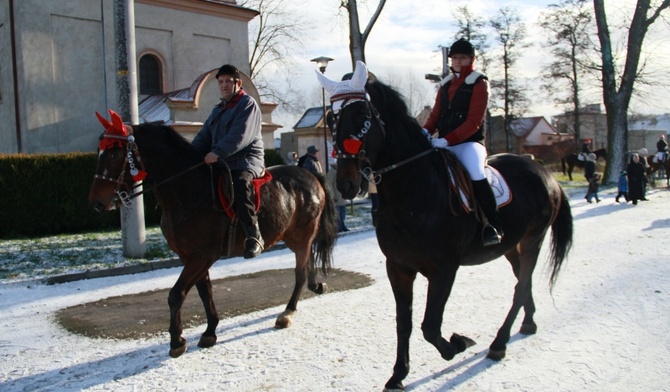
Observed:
{"x":492,"y":233}
{"x":253,"y":244}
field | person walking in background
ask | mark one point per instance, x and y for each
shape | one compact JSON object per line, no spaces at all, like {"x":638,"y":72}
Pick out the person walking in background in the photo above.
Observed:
{"x":310,"y":162}
{"x":340,"y":202}
{"x":232,"y":134}
{"x":589,"y":174}
{"x":622,"y":186}
{"x":636,"y":179}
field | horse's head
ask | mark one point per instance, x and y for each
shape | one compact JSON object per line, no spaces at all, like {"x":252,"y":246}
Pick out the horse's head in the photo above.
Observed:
{"x":119,"y":165}
{"x":356,"y":128}
{"x":372,"y":130}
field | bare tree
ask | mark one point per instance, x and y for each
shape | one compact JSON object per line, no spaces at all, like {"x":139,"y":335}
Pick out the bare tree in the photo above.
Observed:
{"x":473,"y":28}
{"x":413,"y":87}
{"x":510,"y":33}
{"x":569,"y":26}
{"x":617,"y":90}
{"x":275,"y":37}
{"x":356,"y":38}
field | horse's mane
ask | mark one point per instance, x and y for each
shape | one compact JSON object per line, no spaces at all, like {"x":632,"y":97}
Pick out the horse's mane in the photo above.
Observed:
{"x":394,"y":105}
{"x":159,"y":132}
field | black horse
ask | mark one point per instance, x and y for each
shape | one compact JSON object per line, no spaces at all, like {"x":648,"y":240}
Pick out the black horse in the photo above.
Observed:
{"x":421,"y":224}
{"x":296,"y":207}
{"x":572,"y":161}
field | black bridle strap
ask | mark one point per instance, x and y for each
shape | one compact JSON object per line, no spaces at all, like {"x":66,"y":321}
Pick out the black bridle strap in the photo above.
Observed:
{"x":137,"y":194}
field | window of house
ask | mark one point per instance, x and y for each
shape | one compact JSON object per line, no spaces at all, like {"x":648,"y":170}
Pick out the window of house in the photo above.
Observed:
{"x":150,"y":75}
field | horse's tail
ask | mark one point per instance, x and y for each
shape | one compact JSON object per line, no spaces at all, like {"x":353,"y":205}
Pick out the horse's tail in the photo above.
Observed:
{"x":322,"y":248}
{"x":561,"y":238}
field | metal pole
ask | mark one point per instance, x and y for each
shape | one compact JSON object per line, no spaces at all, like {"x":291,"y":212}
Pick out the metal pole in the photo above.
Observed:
{"x":132,"y":217}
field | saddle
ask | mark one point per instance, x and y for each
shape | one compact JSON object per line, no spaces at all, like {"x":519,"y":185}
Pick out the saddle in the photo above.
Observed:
{"x":222,"y":202}
{"x":498,"y":184}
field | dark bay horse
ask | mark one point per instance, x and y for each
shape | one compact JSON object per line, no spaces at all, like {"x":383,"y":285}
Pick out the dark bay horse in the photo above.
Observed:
{"x":572,"y":161}
{"x":421,"y":224}
{"x":296,"y":207}
{"x":653,"y":167}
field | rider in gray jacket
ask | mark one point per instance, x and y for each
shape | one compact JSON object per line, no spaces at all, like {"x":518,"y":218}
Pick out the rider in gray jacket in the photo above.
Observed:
{"x":232,"y":133}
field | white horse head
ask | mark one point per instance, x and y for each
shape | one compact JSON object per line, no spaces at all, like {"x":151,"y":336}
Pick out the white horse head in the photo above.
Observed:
{"x":339,"y":90}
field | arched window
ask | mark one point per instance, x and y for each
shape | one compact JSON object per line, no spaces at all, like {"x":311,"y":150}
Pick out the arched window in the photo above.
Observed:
{"x":150,"y":75}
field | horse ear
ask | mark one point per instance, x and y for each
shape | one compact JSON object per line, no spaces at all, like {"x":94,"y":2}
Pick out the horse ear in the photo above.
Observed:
{"x":105,"y":123}
{"x":360,"y":76}
{"x":325,"y":82}
{"x":117,"y":123}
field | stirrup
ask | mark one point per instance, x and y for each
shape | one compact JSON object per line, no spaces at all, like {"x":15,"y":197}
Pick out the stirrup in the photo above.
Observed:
{"x":491,"y":236}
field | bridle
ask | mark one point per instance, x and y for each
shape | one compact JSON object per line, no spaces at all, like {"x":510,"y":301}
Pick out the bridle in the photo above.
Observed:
{"x":135,"y":167}
{"x":354,"y":146}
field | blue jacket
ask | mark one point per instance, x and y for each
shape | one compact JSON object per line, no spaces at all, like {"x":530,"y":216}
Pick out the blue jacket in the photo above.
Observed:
{"x":623,"y":183}
{"x":233,"y":132}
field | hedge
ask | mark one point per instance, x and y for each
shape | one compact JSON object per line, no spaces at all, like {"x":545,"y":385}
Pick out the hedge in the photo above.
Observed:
{"x":47,"y":194}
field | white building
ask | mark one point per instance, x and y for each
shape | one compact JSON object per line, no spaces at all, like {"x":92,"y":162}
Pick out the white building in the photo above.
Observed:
{"x":58,"y":66}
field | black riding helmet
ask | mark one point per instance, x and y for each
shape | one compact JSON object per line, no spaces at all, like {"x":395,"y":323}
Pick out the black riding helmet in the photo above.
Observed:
{"x":462,"y":46}
{"x":228,"y":69}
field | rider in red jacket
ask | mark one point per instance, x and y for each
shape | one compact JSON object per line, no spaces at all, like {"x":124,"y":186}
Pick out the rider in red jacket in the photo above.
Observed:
{"x":458,"y":118}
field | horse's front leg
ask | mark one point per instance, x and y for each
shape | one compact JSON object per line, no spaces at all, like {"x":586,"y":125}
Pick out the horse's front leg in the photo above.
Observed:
{"x":301,"y":271}
{"x":189,"y":275}
{"x":402,"y":284}
{"x":204,"y":286}
{"x":439,"y":289}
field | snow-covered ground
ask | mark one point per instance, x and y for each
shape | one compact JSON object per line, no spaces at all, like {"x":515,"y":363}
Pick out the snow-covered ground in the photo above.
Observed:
{"x":604,"y":327}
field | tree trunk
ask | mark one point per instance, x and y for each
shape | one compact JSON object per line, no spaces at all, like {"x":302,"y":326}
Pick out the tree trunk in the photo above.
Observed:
{"x":618,"y":100}
{"x":356,"y":38}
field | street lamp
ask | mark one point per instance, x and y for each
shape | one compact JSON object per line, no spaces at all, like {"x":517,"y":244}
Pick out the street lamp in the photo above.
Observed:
{"x":322,"y":63}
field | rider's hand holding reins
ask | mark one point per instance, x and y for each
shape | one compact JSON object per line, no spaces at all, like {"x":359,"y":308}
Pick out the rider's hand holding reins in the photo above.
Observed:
{"x":211,"y":158}
{"x":439,"y":142}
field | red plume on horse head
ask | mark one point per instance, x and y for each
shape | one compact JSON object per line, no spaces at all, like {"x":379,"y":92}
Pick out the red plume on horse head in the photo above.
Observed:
{"x":116,"y":132}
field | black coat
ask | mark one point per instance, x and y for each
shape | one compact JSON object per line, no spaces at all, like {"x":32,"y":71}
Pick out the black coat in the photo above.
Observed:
{"x":636,"y":180}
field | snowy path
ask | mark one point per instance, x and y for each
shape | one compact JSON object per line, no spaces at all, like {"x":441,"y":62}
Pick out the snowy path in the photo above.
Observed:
{"x":604,"y":328}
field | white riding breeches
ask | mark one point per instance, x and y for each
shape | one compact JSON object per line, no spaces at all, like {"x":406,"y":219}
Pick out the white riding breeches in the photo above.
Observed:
{"x":472,"y":156}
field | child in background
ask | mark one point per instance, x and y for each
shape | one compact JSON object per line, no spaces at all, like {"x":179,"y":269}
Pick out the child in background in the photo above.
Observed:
{"x":623,"y":186}
{"x":593,"y":188}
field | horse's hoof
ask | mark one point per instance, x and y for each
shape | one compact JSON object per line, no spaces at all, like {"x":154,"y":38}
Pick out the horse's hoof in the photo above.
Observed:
{"x":177,"y":352}
{"x":461,"y":342}
{"x":207,"y":341}
{"x":318,"y":288}
{"x":283,"y":322}
{"x":394,"y":386}
{"x":496,"y":355}
{"x":528,"y":329}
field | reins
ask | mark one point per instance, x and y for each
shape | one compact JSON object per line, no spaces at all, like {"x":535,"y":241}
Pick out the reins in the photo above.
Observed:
{"x":156,"y":185}
{"x":375,"y":176}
